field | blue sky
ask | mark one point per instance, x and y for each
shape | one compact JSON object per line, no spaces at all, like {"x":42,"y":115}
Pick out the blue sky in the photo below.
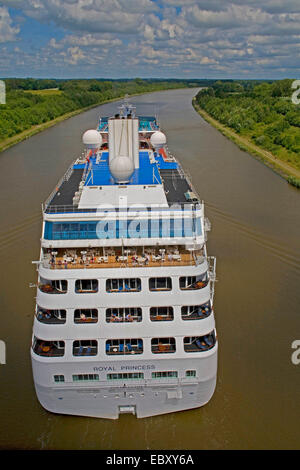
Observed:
{"x":150,"y":38}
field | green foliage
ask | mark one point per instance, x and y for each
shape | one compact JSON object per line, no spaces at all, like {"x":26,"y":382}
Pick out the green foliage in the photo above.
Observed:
{"x":24,"y":109}
{"x":262,"y":111}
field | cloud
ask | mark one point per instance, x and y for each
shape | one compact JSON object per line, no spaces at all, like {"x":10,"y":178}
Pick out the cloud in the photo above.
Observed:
{"x":160,"y":37}
{"x":8,"y":32}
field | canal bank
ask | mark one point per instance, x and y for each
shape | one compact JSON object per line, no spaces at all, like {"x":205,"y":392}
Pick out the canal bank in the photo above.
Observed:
{"x":292,"y":175}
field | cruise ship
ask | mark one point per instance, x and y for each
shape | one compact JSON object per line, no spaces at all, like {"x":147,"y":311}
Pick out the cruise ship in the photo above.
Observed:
{"x":124,"y":319}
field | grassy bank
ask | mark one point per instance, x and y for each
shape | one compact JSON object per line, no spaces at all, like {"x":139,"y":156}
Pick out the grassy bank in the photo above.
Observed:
{"x":291,"y":174}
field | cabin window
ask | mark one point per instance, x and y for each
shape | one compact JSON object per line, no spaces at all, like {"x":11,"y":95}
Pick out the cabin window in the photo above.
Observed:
{"x":86,"y":315}
{"x":83,"y":286}
{"x":161,"y":314}
{"x":51,"y":317}
{"x":160,"y":283}
{"x":85,"y":377}
{"x":199,"y":343}
{"x":193,"y":282}
{"x":124,"y":346}
{"x":123,"y":285}
{"x":163,"y":345}
{"x":59,"y":378}
{"x":129,"y":314}
{"x":48,"y":348}
{"x":56,"y":286}
{"x":165,"y":374}
{"x":126,"y":376}
{"x":85,"y":348}
{"x":195,"y":312}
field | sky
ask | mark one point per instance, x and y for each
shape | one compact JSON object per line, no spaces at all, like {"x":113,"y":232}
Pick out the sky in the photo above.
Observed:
{"x":150,"y":38}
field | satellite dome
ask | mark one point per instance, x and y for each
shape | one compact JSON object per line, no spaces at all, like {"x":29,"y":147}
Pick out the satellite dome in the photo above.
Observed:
{"x":121,"y":169}
{"x":158,"y":139}
{"x":92,"y":139}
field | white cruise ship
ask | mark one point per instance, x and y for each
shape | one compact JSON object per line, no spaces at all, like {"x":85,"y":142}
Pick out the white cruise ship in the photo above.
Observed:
{"x":124,"y":319}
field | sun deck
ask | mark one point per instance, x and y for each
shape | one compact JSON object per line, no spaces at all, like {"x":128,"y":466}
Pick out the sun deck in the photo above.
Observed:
{"x":118,"y":258}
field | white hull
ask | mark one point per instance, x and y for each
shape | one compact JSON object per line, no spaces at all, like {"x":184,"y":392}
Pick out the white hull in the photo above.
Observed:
{"x":143,"y":398}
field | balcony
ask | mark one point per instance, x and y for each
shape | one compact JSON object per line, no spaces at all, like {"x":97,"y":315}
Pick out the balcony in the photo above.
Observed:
{"x":196,"y":312}
{"x":193,"y":282}
{"x":199,"y":343}
{"x":51,"y":317}
{"x":86,"y":286}
{"x":123,"y":315}
{"x":163,"y":345}
{"x":53,"y":286}
{"x":85,"y":348}
{"x":161,"y":314}
{"x":48,"y":348}
{"x":124,"y":346}
{"x":123,"y":285}
{"x":86,"y":315}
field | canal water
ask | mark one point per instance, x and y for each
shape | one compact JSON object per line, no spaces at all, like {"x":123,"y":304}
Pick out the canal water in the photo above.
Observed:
{"x":256,"y":238}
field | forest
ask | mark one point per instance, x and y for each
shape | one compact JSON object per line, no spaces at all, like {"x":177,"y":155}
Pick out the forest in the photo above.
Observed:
{"x":30,"y":102}
{"x":261,"y":111}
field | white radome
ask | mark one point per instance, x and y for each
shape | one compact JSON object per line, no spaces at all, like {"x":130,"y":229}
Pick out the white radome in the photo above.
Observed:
{"x":158,"y":139}
{"x":92,"y":139}
{"x":121,"y":169}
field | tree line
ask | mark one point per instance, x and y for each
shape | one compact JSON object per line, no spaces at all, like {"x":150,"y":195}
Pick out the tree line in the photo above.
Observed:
{"x":262,"y":111}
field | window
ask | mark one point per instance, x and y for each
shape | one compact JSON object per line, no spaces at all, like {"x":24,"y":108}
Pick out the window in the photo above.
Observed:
{"x":126,"y":376}
{"x":195,"y":312}
{"x":123,"y":285}
{"x":160,"y":283}
{"x":130,"y":314}
{"x":190,"y":373}
{"x":48,"y":348}
{"x":199,"y":343}
{"x":86,"y":315}
{"x":85,"y":377}
{"x":56,"y":286}
{"x":85,"y":348}
{"x":163,"y":345}
{"x":51,"y":317}
{"x":165,"y":375}
{"x":59,"y":378}
{"x":124,"y":346}
{"x":83,"y":286}
{"x":161,"y":313}
{"x":193,"y":282}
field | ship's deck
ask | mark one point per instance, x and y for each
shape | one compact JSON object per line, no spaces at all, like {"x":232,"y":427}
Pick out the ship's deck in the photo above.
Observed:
{"x":116,"y":258}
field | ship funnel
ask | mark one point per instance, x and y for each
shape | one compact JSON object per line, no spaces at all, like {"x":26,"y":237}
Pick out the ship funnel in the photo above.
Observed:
{"x":123,"y":142}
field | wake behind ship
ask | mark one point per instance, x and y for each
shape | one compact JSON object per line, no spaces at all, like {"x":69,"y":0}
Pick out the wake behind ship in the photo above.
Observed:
{"x":124,"y":319}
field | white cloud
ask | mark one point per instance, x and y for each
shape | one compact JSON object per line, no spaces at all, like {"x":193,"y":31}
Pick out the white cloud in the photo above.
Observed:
{"x":8,"y":32}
